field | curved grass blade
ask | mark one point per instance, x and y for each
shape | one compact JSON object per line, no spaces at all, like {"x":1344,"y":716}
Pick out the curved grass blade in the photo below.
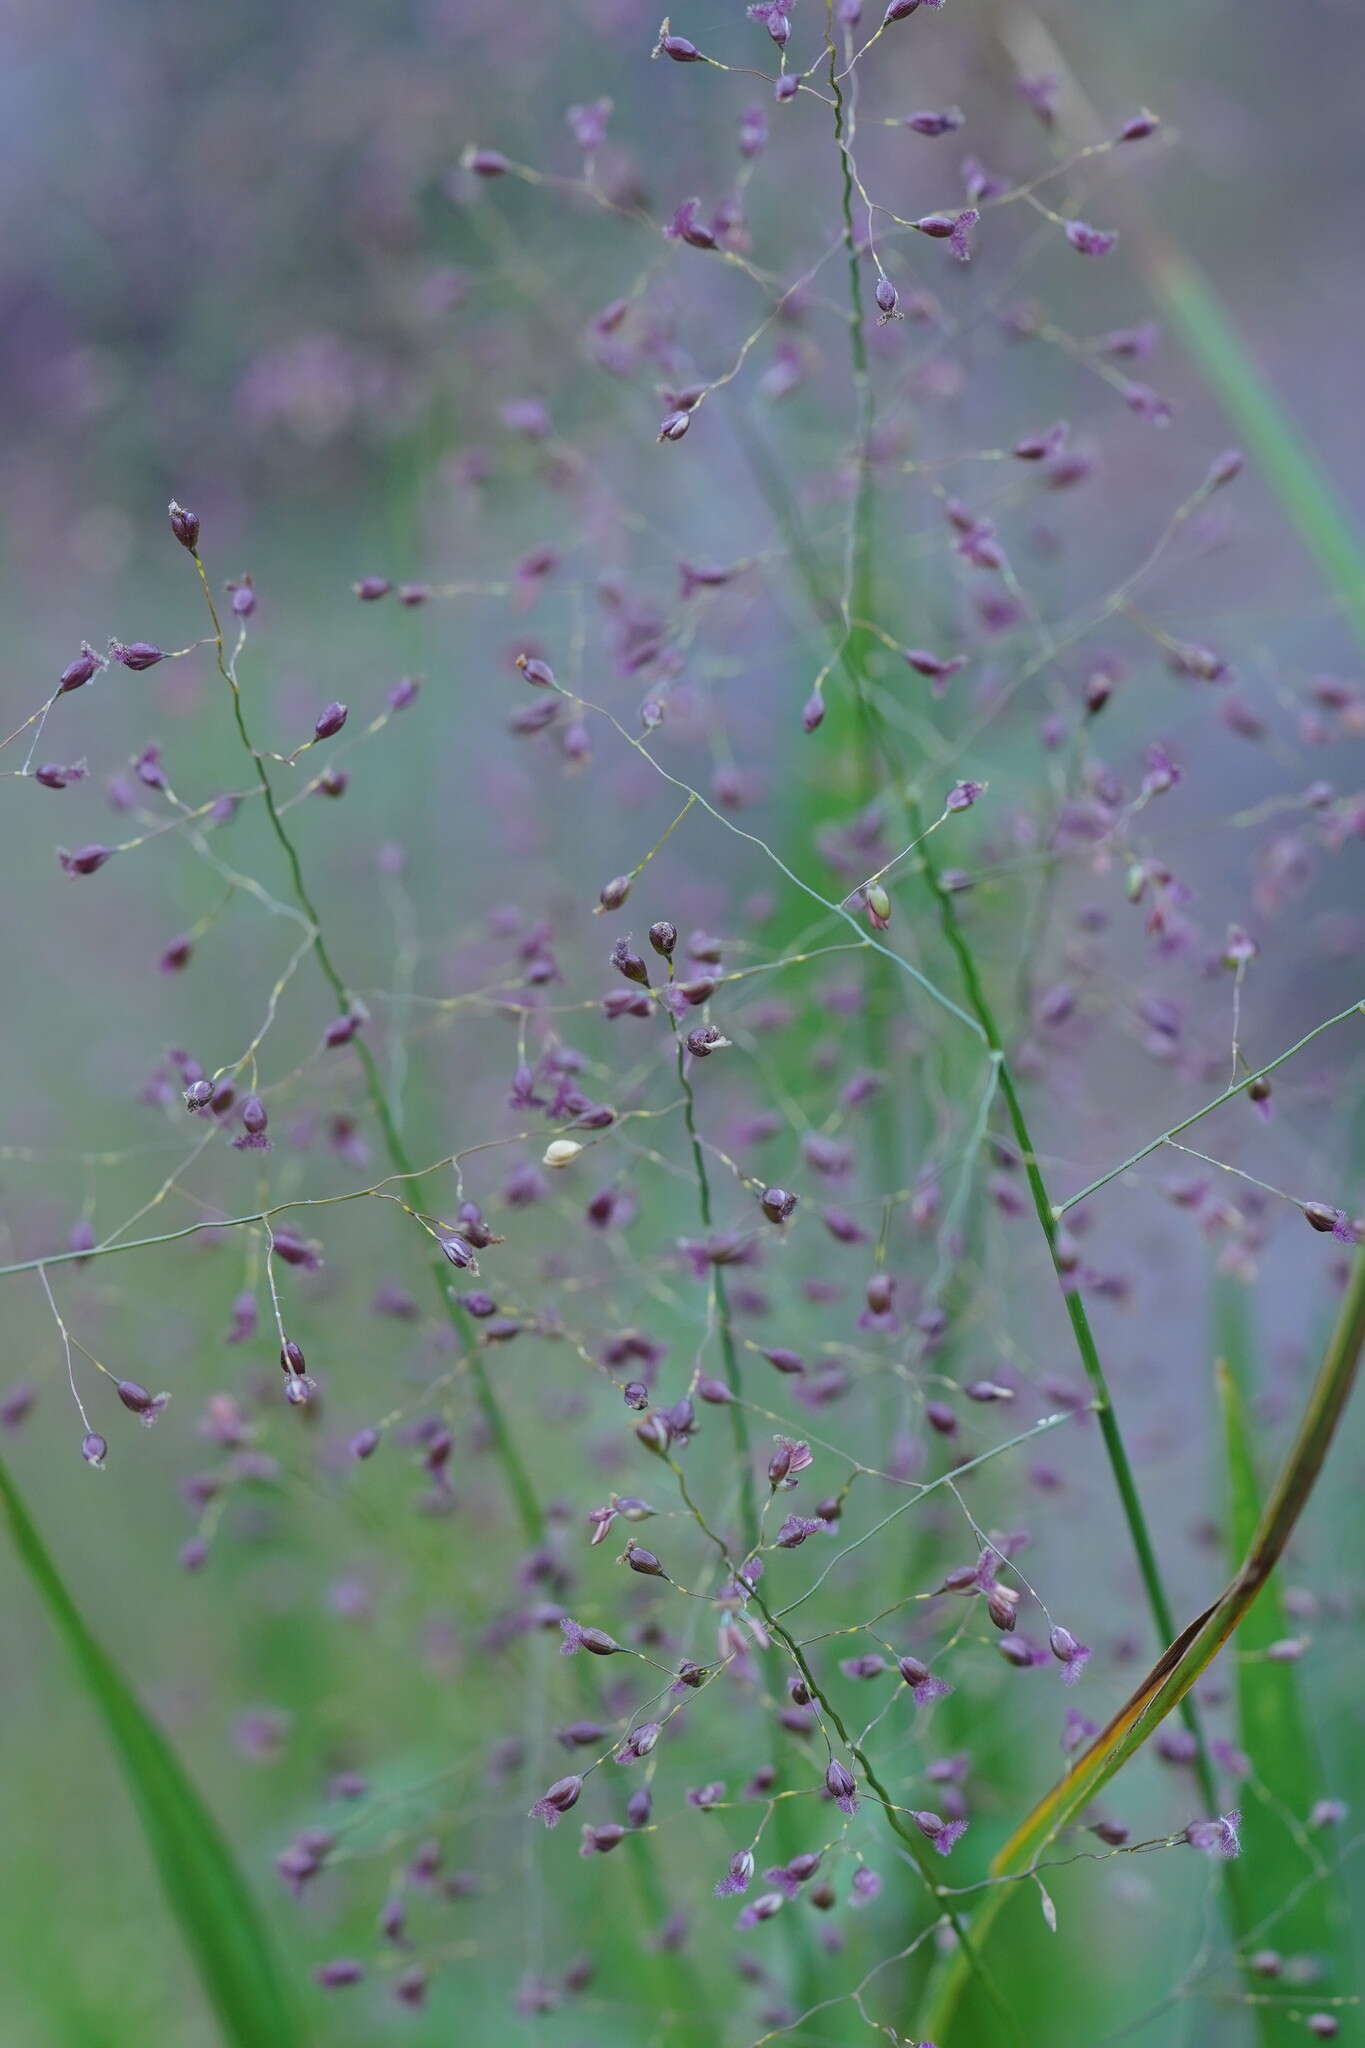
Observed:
{"x":1280,"y":1854}
{"x":1289,"y":465}
{"x":204,"y":1888}
{"x":1178,"y":1669}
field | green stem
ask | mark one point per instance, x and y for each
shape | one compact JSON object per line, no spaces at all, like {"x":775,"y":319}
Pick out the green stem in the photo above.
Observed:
{"x":851,"y":657}
{"x":519,"y":1483}
{"x":784,"y":1819}
{"x":880,"y":998}
{"x":914,"y":1842}
{"x":720,"y":1306}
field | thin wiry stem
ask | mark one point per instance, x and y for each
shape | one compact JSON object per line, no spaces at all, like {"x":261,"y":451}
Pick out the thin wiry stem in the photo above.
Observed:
{"x":916,"y":1846}
{"x":979,"y":1006}
{"x":1238,"y":1088}
{"x":518,"y":1480}
{"x":519,"y":1483}
{"x":725,"y":1335}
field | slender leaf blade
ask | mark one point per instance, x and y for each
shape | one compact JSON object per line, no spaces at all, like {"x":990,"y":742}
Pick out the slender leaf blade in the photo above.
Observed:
{"x":1279,"y":1854}
{"x":204,"y":1888}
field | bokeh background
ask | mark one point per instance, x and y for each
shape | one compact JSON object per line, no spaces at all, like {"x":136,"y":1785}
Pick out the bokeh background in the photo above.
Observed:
{"x":240,"y":264}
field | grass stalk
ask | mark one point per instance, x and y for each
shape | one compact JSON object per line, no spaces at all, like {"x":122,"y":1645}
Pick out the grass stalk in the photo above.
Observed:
{"x":520,"y":1486}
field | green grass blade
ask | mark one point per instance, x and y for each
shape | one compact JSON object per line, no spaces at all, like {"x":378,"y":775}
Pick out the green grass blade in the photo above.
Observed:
{"x":1278,"y":1853}
{"x":1189,"y":1656}
{"x":1288,"y":464}
{"x":204,"y":1888}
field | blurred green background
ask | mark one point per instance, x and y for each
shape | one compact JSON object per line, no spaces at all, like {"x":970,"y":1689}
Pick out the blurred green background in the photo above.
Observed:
{"x":239,"y":264}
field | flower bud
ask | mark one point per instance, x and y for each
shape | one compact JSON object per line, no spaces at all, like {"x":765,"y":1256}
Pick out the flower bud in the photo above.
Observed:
{"x":639,"y":1807}
{"x":86,"y":860}
{"x":777,"y":1204}
{"x":655,"y":1434}
{"x":676,"y":47}
{"x":1002,"y":1605}
{"x":77,"y":673}
{"x":142,"y":654}
{"x":94,"y":1449}
{"x":1088,"y":241}
{"x":601,"y":1840}
{"x":841,"y":1785}
{"x":628,"y":963}
{"x":663,"y":937}
{"x":556,"y":1800}
{"x":330,"y":722}
{"x":614,"y":893}
{"x":1139,"y":127}
{"x":536,"y":671}
{"x":878,"y":905}
{"x":184,"y":525}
